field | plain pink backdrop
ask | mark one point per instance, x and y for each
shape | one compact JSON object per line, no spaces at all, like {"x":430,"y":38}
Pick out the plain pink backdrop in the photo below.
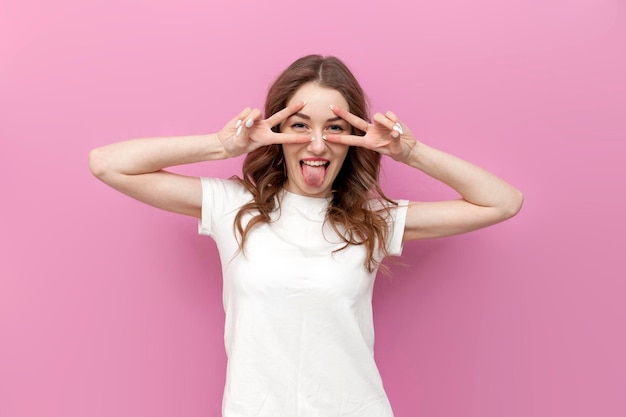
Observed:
{"x":111,"y":308}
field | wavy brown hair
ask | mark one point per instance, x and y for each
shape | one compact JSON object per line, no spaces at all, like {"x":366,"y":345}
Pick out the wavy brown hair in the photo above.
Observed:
{"x":350,"y":212}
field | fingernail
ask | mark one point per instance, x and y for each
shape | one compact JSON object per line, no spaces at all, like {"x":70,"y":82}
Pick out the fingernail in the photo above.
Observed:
{"x":249,"y":123}
{"x":238,"y":123}
{"x":312,"y":139}
{"x":332,"y":106}
{"x":397,"y":128}
{"x":395,"y":135}
{"x":238,"y":130}
{"x":324,"y":137}
{"x":304,"y":103}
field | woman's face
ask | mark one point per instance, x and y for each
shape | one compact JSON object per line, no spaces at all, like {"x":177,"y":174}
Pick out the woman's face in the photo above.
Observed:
{"x":312,"y":167}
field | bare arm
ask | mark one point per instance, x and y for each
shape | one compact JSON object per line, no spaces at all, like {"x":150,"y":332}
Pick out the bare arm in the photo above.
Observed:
{"x":138,"y":167}
{"x":485,"y":198}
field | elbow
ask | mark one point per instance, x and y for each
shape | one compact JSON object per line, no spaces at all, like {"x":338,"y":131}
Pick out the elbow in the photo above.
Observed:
{"x":514,"y":204}
{"x":98,"y":163}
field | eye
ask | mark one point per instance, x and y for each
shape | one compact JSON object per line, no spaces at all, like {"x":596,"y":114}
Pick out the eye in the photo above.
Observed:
{"x":298,"y":126}
{"x":336,"y":128}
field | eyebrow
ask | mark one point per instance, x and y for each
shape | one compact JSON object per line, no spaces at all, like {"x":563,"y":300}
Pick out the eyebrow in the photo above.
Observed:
{"x":307,"y":117}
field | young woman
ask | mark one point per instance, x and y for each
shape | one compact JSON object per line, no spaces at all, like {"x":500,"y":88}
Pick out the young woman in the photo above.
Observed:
{"x":302,"y":233}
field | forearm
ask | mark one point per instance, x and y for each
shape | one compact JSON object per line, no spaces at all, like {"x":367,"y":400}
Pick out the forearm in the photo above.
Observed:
{"x":140,"y":156}
{"x":474,"y":184}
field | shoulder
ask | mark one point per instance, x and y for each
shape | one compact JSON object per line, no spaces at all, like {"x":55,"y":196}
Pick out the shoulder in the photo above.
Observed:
{"x":221,"y":200}
{"x":389,"y":209}
{"x":228,"y":192}
{"x":230,"y":185}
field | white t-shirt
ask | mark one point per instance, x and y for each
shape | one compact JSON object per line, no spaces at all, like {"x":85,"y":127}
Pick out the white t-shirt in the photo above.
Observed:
{"x":299,"y":332}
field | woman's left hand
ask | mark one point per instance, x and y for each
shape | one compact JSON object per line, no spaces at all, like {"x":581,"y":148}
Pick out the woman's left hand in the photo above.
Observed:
{"x":387,"y":135}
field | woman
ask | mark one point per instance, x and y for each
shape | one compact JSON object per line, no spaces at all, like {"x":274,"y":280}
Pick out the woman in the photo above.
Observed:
{"x":302,"y":234}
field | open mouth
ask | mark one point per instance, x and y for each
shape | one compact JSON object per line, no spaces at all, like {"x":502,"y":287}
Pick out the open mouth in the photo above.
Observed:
{"x":314,"y":171}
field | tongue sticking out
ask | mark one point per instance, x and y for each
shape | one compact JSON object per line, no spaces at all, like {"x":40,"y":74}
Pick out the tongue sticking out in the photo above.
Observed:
{"x":313,"y":175}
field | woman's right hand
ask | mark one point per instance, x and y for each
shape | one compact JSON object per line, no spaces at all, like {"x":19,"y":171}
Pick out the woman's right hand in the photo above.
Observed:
{"x":247,"y":131}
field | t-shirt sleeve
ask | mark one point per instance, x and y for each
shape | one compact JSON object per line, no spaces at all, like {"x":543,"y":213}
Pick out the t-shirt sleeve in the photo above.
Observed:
{"x":220,"y":199}
{"x":397,"y":222}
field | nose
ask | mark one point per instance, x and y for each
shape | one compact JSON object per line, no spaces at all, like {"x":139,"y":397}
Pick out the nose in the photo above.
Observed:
{"x":317,"y":145}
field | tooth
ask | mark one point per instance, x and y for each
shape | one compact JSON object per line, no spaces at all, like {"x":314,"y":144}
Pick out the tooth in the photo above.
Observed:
{"x":314,"y":163}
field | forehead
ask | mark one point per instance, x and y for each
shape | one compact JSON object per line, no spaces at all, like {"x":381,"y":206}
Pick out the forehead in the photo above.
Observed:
{"x":316,"y":95}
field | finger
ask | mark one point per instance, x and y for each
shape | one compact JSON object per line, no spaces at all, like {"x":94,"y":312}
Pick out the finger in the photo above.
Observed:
{"x":244,"y":113}
{"x":279,"y":138}
{"x":384,"y":120}
{"x":235,"y":122}
{"x":354,"y":121}
{"x":392,"y":116}
{"x":240,"y":117}
{"x":251,"y":118}
{"x":282,"y":115}
{"x":389,"y":120}
{"x":350,"y":140}
{"x":398,"y":125}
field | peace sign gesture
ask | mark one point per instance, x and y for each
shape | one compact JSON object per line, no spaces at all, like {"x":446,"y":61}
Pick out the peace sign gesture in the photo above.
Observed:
{"x":247,"y":131}
{"x":387,"y":135}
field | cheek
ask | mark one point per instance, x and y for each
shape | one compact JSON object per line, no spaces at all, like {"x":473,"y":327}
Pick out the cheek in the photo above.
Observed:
{"x":289,"y":154}
{"x":342,"y":152}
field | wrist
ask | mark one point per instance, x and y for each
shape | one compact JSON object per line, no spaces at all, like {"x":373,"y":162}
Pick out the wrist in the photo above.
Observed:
{"x":411,"y":154}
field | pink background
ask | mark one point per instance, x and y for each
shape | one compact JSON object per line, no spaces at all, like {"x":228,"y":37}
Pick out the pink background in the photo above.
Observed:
{"x":111,"y":308}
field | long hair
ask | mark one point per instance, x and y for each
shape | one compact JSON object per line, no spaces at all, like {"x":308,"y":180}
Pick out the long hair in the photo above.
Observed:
{"x":350,"y":211}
